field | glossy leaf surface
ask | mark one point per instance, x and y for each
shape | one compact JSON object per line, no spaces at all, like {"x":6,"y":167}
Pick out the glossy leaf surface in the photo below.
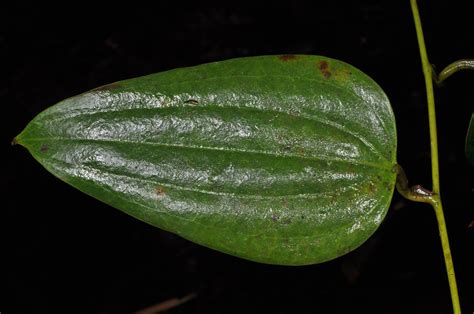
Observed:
{"x":277,"y":159}
{"x":470,"y":141}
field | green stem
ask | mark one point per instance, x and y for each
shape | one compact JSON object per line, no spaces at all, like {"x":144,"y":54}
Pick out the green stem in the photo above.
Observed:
{"x":435,"y":198}
{"x":427,"y":71}
{"x":463,"y":64}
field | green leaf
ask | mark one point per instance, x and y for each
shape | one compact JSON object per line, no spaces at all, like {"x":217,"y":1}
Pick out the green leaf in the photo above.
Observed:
{"x":277,"y":159}
{"x":470,"y":141}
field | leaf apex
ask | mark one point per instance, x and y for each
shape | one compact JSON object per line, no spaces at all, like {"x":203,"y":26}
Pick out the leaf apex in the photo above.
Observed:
{"x":14,"y":141}
{"x":18,"y":140}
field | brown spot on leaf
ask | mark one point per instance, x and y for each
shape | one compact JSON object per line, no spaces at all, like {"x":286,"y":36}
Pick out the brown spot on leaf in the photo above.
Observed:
{"x":160,"y":191}
{"x":14,"y":141}
{"x":191,"y":102}
{"x":372,"y":188}
{"x":301,"y":151}
{"x":44,"y":148}
{"x":107,"y":87}
{"x":324,"y":68}
{"x":285,"y":58}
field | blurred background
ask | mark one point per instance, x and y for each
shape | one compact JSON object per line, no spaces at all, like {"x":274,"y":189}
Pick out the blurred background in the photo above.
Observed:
{"x":68,"y":253}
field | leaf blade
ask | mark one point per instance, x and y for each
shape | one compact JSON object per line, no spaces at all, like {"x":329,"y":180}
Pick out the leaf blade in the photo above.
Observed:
{"x":275,"y":159}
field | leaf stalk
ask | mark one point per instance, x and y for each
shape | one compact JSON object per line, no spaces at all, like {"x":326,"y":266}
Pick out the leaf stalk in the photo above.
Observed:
{"x":463,"y":64}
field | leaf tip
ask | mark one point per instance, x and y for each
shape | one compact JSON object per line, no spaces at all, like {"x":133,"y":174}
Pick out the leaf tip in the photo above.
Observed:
{"x":14,"y":141}
{"x":17,"y":140}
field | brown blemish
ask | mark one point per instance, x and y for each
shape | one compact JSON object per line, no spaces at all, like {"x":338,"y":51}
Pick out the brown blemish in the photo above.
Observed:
{"x":107,"y":87}
{"x":285,"y":58}
{"x":14,"y":141}
{"x":160,"y":191}
{"x":191,"y":102}
{"x":285,"y":202}
{"x":324,"y":68}
{"x":44,"y":148}
{"x":372,"y":188}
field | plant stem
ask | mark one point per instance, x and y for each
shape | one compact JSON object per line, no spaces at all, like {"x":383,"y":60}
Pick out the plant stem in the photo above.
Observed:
{"x":463,"y":64}
{"x":435,"y":199}
{"x":427,"y":72}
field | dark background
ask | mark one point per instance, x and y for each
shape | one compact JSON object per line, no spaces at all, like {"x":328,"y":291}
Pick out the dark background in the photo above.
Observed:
{"x":68,"y":253}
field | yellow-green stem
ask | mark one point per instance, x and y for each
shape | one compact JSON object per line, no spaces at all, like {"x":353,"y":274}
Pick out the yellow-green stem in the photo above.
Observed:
{"x":463,"y":64}
{"x":435,"y":198}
